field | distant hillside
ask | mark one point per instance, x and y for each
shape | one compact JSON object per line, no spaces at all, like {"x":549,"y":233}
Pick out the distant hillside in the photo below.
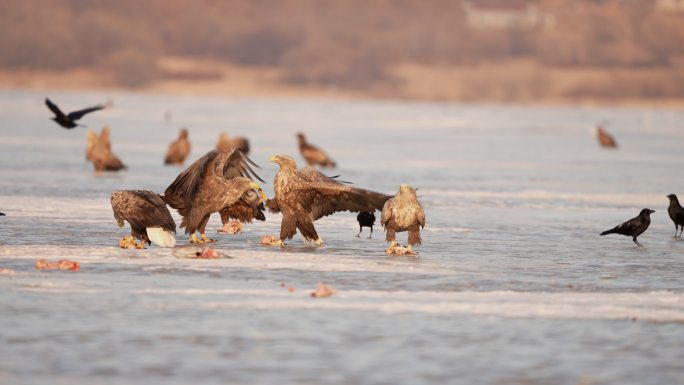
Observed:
{"x":356,"y":44}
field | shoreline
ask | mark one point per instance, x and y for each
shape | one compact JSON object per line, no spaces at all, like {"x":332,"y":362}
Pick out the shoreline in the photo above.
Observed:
{"x":429,"y":84}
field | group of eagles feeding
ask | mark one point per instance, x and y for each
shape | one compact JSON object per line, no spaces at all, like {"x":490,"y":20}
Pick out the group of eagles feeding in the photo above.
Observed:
{"x":224,"y":181}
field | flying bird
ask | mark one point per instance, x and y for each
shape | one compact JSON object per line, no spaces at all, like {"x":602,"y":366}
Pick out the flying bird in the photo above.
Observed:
{"x":605,"y":139}
{"x":403,"y":212}
{"x":216,"y":181}
{"x":146,"y":212}
{"x":68,"y":121}
{"x":225,"y":143}
{"x":178,"y":149}
{"x":314,"y":155}
{"x":366,"y":219}
{"x":101,"y":152}
{"x":307,"y":195}
{"x":633,"y":227}
{"x":676,"y":213}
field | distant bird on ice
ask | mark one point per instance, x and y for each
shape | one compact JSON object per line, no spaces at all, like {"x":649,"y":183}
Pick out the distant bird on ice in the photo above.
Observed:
{"x":676,"y":214}
{"x":178,"y":150}
{"x":403,"y":212}
{"x":68,"y":121}
{"x":2,"y":214}
{"x":366,"y":219}
{"x":605,"y":139}
{"x":312,"y":154}
{"x":99,"y":151}
{"x":633,"y":227}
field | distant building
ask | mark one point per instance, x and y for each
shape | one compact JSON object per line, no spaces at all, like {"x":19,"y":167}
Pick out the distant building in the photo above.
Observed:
{"x":504,"y":14}
{"x":670,"y":5}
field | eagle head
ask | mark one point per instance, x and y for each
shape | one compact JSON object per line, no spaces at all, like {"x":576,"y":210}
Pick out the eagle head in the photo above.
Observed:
{"x":283,"y":161}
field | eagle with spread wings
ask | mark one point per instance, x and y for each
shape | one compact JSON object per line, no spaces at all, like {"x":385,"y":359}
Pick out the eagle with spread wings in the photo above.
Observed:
{"x":146,"y":212}
{"x":303,"y":196}
{"x":218,"y":181}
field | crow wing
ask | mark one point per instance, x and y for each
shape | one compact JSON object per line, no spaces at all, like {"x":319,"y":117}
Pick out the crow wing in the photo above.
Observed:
{"x":53,"y":107}
{"x":75,"y":115}
{"x":629,"y":227}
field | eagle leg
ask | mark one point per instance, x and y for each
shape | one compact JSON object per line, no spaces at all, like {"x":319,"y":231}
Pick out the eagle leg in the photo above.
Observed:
{"x":194,"y":239}
{"x":206,"y":239}
{"x":139,"y":246}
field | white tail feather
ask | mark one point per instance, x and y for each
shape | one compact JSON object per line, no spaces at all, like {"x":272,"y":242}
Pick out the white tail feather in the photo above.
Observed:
{"x":161,"y":237}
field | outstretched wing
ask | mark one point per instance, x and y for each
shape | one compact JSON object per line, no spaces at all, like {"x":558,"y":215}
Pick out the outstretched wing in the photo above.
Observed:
{"x":326,"y":196}
{"x":235,"y":164}
{"x":181,"y":192}
{"x":53,"y":107}
{"x":75,"y":115}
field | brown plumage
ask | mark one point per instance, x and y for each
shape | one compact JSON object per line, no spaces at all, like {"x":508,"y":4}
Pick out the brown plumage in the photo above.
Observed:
{"x":216,"y":181}
{"x":307,"y":195}
{"x":178,"y":149}
{"x":225,"y":143}
{"x":312,"y":154}
{"x":403,"y":213}
{"x":143,"y":210}
{"x":99,"y":151}
{"x":605,"y":139}
{"x":249,"y":207}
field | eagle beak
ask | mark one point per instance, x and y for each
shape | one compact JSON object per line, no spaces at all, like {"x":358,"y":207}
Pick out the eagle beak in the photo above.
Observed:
{"x":262,"y":196}
{"x":273,"y":159}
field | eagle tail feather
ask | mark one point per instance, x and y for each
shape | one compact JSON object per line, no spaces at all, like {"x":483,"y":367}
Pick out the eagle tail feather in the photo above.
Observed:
{"x":161,"y":237}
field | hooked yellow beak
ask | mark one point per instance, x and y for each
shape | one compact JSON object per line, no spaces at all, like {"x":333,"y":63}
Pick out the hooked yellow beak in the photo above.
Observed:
{"x":254,"y":185}
{"x":273,"y":158}
{"x":262,"y":196}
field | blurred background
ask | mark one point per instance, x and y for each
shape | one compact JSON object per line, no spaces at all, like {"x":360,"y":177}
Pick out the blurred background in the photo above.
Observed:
{"x":582,"y":51}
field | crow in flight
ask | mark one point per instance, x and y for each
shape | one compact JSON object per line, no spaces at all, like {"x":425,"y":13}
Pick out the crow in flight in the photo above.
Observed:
{"x":68,"y":121}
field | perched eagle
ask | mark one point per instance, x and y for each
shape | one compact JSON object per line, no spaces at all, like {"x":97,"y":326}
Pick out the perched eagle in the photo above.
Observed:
{"x":403,"y":213}
{"x":314,"y":155}
{"x":178,"y":149}
{"x":99,"y":151}
{"x":148,"y":216}
{"x":220,"y":180}
{"x":227,"y":144}
{"x":605,"y":139}
{"x":307,"y":195}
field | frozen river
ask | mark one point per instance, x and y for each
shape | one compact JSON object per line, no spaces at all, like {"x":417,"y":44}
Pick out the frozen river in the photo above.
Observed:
{"x":512,"y":285}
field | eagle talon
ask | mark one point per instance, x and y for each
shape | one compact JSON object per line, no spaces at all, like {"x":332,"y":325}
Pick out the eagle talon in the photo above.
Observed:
{"x":206,"y":239}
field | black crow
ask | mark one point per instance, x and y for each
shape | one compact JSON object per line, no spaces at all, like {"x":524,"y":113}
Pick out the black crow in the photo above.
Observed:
{"x":633,"y":227}
{"x":69,"y":120}
{"x":366,"y":219}
{"x":676,"y":212}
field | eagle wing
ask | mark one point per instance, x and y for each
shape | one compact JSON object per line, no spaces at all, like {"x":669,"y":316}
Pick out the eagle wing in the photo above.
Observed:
{"x":75,"y":115}
{"x":53,"y":107}
{"x":386,"y":212}
{"x":326,"y":196}
{"x":142,"y":208}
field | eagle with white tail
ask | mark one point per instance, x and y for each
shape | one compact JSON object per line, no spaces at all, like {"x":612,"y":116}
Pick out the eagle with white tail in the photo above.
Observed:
{"x":146,"y":212}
